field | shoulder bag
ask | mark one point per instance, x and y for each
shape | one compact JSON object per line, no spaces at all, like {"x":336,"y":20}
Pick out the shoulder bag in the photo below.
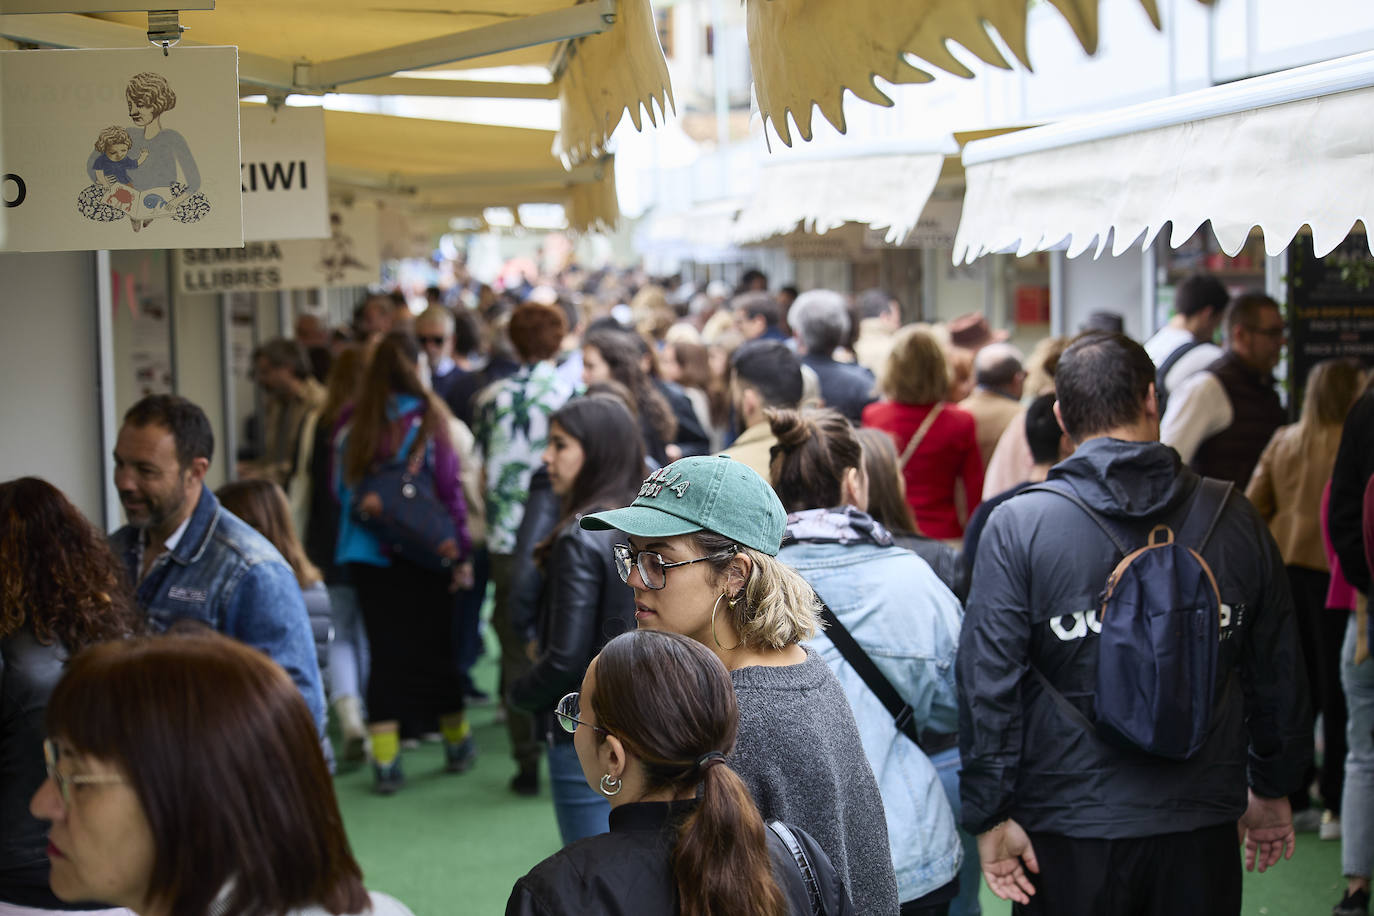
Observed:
{"x":412,"y":522}
{"x":915,"y":441}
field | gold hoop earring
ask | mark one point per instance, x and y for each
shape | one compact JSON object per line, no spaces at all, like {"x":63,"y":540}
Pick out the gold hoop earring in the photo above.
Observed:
{"x":610,"y":786}
{"x":714,"y":637}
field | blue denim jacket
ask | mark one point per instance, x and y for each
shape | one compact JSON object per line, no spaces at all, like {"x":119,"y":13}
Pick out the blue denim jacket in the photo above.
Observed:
{"x":227,"y":576}
{"x":907,"y":621}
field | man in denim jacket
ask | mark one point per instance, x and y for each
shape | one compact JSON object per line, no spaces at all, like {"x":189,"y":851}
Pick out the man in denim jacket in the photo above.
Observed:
{"x":191,"y":559}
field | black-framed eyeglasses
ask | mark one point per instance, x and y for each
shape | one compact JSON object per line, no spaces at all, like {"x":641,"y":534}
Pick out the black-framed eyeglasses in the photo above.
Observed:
{"x":429,"y":339}
{"x":1271,"y":333}
{"x":651,"y":567}
{"x":569,"y":710}
{"x":65,"y":782}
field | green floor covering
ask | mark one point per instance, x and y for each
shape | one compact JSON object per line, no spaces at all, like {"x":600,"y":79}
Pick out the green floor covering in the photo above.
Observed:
{"x":451,"y":845}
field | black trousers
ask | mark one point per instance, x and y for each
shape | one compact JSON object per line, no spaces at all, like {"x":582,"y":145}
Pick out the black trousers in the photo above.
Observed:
{"x":1322,"y":631}
{"x":1176,"y":874}
{"x":409,"y":616}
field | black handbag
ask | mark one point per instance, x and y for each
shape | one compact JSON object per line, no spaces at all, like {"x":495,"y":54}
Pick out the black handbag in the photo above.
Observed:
{"x":412,"y":522}
{"x":804,"y":865}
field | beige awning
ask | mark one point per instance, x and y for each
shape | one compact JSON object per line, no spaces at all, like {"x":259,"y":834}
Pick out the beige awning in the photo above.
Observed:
{"x":806,"y":53}
{"x":603,"y":56}
{"x":1276,"y":152}
{"x":444,"y":168}
{"x":882,"y":189}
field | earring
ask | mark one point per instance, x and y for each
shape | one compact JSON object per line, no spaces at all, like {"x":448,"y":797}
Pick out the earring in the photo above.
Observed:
{"x":714,"y":637}
{"x":610,"y":786}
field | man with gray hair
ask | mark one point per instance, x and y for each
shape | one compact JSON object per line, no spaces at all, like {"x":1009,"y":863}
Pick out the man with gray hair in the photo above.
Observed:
{"x":1000,"y":379}
{"x":820,"y":322}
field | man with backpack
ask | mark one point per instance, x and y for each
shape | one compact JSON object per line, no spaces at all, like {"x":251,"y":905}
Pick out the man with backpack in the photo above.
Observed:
{"x":1184,"y":345}
{"x":1115,"y":734}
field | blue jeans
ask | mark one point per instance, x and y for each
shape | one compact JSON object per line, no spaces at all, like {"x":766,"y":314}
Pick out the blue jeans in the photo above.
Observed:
{"x":1357,"y":802}
{"x":580,"y":809}
{"x":948,"y":765}
{"x":348,"y":653}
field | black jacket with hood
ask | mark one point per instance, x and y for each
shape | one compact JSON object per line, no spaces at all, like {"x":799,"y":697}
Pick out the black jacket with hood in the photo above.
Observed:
{"x":1042,"y":564}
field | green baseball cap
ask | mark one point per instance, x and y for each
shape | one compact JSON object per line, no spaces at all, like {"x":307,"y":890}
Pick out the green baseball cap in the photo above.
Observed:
{"x":712,"y":493}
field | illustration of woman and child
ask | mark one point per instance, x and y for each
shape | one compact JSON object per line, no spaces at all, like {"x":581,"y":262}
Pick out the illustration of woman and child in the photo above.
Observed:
{"x":145,"y":173}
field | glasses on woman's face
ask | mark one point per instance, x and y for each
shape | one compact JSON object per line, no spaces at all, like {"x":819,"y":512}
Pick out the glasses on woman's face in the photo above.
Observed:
{"x":651,"y":567}
{"x":65,"y":781}
{"x":569,"y":710}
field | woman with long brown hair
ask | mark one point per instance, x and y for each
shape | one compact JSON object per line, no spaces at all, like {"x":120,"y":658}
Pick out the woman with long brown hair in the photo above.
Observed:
{"x":399,"y":424}
{"x":348,"y":651}
{"x":652,"y":724}
{"x":263,"y":505}
{"x":594,"y":461}
{"x":61,"y":590}
{"x":1286,"y":489}
{"x":616,"y":355}
{"x":185,"y":778}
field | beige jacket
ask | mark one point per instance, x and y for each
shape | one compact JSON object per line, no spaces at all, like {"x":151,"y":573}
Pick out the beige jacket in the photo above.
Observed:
{"x":992,"y":414}
{"x":753,"y":446}
{"x":1287,"y":487}
{"x":873,"y":345}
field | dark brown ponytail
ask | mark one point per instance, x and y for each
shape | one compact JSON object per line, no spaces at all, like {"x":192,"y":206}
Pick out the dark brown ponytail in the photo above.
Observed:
{"x":815,"y":448}
{"x":671,"y":703}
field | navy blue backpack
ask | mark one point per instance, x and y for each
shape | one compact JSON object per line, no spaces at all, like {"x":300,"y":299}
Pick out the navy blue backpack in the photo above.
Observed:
{"x":1160,"y":618}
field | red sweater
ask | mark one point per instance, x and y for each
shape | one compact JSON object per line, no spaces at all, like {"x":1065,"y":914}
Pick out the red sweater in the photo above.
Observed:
{"x":948,"y":453}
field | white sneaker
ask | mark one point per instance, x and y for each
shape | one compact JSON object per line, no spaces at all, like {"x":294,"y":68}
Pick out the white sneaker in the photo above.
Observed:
{"x":1309,"y":820}
{"x":1330,"y":828}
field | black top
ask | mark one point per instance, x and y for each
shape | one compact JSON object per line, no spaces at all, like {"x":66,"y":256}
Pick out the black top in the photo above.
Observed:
{"x":629,"y":870}
{"x":846,"y":387}
{"x":28,"y":672}
{"x":582,"y":606}
{"x":1354,"y":466}
{"x":1256,"y":413}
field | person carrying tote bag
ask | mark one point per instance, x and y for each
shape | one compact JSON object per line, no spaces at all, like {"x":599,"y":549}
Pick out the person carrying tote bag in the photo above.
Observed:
{"x":415,"y":680}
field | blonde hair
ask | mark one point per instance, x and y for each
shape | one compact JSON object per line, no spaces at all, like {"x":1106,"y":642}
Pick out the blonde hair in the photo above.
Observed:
{"x":1332,"y":387}
{"x":916,"y":371}
{"x":777,"y":607}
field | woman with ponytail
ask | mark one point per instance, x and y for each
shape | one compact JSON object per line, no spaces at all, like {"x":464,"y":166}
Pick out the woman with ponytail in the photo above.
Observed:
{"x":653,"y":723}
{"x":906,"y":621}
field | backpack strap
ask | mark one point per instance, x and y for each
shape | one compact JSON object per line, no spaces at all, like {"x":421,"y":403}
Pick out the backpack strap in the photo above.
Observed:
{"x":1170,"y":361}
{"x":1209,"y":502}
{"x":852,"y":652}
{"x":1067,"y":492}
{"x":915,"y":441}
{"x":803,"y":862}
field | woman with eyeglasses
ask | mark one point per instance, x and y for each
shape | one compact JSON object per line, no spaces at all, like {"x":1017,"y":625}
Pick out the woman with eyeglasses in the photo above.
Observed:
{"x":185,"y":777}
{"x":594,"y":460}
{"x":905,"y":621}
{"x":703,"y":537}
{"x":61,"y":589}
{"x":652,"y":725}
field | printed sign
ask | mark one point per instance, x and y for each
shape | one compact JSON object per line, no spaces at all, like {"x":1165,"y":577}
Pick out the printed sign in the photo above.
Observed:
{"x":120,"y":149}
{"x":1330,"y":308}
{"x":285,"y":194}
{"x":350,"y":256}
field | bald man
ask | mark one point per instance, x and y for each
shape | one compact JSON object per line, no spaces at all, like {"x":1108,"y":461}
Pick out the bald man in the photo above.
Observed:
{"x":1000,"y":379}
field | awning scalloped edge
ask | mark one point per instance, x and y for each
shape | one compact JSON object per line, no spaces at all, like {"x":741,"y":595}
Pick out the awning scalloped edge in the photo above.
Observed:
{"x":617,"y":70}
{"x":806,"y":53}
{"x":593,"y":206}
{"x":1279,"y":168}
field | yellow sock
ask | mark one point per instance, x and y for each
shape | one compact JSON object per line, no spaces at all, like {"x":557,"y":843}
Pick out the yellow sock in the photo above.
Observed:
{"x":386,"y":747}
{"x":454,"y":728}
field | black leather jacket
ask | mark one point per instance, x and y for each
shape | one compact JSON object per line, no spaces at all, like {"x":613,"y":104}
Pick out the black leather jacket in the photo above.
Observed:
{"x":28,"y":672}
{"x":629,"y":871}
{"x":582,"y":606}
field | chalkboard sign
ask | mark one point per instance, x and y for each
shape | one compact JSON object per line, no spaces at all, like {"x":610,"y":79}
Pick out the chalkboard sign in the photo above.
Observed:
{"x":1330,"y":308}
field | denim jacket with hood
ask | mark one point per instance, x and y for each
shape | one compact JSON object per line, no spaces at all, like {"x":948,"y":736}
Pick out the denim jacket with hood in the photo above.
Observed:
{"x":907,"y":621}
{"x":229,"y":577}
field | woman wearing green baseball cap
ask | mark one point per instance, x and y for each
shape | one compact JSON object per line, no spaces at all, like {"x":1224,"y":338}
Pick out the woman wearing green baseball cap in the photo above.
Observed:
{"x":701,"y":550}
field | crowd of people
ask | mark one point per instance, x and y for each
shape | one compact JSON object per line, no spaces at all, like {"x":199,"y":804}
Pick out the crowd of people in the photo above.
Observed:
{"x":800,"y":608}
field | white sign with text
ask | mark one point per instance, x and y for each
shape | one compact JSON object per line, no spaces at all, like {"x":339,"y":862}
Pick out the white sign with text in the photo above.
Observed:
{"x":119,"y":149}
{"x":350,"y":256}
{"x":285,"y":194}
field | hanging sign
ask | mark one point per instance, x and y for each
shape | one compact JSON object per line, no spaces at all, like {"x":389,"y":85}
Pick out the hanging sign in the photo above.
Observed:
{"x":282,"y":176}
{"x":350,"y":256}
{"x":120,"y":149}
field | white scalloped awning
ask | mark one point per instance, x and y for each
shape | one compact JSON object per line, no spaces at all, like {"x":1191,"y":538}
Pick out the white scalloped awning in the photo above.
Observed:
{"x":881,"y":189}
{"x":1276,"y":152}
{"x":806,"y":53}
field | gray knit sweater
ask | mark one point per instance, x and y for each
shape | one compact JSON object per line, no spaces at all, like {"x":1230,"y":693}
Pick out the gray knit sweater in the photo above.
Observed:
{"x":799,"y":753}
